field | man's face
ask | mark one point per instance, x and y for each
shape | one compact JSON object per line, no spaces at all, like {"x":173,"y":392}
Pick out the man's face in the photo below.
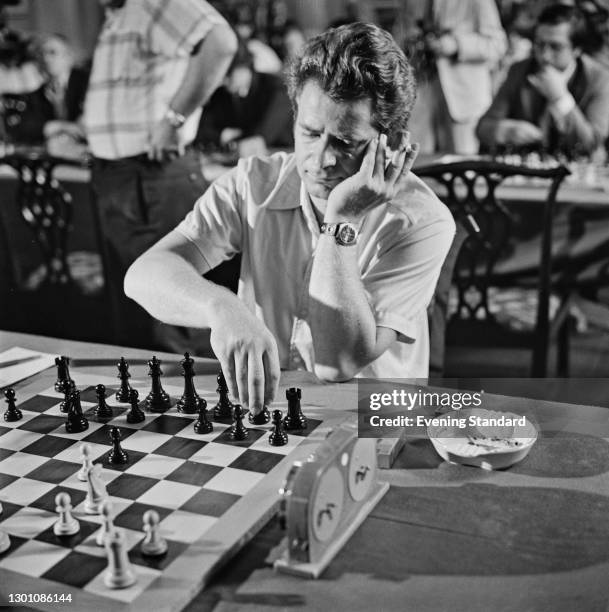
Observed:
{"x":330,"y":138}
{"x":552,"y":46}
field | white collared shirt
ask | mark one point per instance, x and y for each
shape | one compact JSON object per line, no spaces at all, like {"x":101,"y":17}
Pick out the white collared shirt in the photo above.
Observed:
{"x":262,"y":210}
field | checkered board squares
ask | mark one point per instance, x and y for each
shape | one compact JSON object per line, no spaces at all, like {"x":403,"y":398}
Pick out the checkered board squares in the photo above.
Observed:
{"x":210,"y":493}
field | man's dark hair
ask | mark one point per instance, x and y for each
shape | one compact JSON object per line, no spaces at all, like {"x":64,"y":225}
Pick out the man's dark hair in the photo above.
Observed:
{"x":354,"y":62}
{"x":555,"y":14}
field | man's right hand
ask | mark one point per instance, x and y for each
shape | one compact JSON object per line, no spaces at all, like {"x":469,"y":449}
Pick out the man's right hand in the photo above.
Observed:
{"x":248,"y":354}
{"x":517,"y":132}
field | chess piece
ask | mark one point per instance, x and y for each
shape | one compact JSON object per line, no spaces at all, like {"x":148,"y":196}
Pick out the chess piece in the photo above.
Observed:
{"x":5,"y":541}
{"x":238,"y":430}
{"x":103,"y":411}
{"x":76,"y":422}
{"x":122,"y":395}
{"x":96,"y":490}
{"x":12,"y":413}
{"x":278,"y":437}
{"x":66,"y":524}
{"x":189,"y":402}
{"x":203,"y":425}
{"x":135,"y":414}
{"x":85,"y":455}
{"x":153,"y":545}
{"x":107,"y":526}
{"x":117,"y":456}
{"x":224,"y":408}
{"x":262,"y":418}
{"x":64,"y":406}
{"x":119,"y":574}
{"x":157,"y":400}
{"x":63,"y":382}
{"x":294,"y":419}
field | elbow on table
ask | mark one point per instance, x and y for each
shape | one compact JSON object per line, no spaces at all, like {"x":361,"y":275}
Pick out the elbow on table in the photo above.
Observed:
{"x":135,"y":282}
{"x":336,"y":373}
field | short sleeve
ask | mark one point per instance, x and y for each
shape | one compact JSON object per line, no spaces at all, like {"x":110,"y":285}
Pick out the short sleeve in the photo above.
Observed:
{"x":401,"y":280}
{"x":178,"y":26}
{"x":215,"y":225}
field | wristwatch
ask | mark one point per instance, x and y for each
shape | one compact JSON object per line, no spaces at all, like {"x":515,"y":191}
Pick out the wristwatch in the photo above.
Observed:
{"x":344,"y":233}
{"x":176,"y":120}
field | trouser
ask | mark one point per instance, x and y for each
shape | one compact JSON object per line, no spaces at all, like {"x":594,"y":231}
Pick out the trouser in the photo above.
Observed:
{"x":140,"y":201}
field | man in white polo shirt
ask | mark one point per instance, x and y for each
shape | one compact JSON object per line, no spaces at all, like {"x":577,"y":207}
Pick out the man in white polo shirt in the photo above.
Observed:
{"x":341,"y":245}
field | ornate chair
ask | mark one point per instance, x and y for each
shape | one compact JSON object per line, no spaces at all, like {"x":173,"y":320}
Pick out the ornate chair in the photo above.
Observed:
{"x":44,"y":293}
{"x":486,"y":255}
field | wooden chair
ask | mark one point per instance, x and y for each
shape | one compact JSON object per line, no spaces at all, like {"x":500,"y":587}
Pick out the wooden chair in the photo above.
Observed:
{"x":468,"y":188}
{"x":41,"y":293}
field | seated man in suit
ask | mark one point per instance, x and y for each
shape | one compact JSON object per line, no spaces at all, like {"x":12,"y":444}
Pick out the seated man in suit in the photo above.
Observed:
{"x":556,"y":100}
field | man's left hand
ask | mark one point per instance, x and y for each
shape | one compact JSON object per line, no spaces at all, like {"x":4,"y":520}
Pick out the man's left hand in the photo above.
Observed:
{"x":375,"y":183}
{"x":165,"y":142}
{"x":550,"y":83}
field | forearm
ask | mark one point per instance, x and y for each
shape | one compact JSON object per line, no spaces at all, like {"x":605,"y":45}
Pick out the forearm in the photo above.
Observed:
{"x":206,"y":69}
{"x":342,"y":323}
{"x":172,"y":290}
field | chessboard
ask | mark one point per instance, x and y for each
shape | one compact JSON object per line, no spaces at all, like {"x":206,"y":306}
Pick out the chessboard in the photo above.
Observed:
{"x":212,"y":493}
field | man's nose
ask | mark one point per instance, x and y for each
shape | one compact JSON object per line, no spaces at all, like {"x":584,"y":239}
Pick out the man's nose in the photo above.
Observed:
{"x":325,"y":157}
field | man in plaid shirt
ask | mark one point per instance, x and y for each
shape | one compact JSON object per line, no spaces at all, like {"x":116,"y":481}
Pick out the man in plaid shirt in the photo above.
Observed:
{"x":156,"y":63}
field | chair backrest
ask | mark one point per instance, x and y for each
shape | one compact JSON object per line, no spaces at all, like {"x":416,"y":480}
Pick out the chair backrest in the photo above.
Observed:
{"x":47,"y":209}
{"x":469,"y":189}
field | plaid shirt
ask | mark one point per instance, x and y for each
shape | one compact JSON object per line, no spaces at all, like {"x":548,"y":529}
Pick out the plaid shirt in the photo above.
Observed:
{"x":139,"y":63}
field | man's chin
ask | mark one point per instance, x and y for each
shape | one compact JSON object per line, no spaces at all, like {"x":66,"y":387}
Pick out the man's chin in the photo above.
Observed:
{"x":319,"y":190}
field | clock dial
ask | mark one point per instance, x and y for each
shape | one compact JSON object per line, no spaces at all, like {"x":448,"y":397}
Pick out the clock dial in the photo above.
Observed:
{"x":362,"y":468}
{"x":327,"y":505}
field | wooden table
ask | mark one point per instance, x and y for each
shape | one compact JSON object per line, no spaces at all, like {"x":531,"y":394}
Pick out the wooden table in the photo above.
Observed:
{"x":446,"y":537}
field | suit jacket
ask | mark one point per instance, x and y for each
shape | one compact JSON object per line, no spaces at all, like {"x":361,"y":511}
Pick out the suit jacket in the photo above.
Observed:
{"x":466,"y":78}
{"x":583,"y":129}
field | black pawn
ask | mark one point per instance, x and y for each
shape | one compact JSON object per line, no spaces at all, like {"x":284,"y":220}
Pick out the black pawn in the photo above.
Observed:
{"x":157,"y":400}
{"x":190,"y":400}
{"x":224,"y":408}
{"x":103,"y":411}
{"x":238,"y":431}
{"x":135,"y":414}
{"x":294,"y":420}
{"x":12,"y":413}
{"x":76,"y":419}
{"x":117,"y":456}
{"x":122,"y":395}
{"x":63,"y":382}
{"x":203,"y":425}
{"x":278,"y":437}
{"x":262,"y":418}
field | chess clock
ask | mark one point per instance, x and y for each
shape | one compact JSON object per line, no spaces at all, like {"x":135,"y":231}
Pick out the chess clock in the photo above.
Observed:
{"x":324,"y":500}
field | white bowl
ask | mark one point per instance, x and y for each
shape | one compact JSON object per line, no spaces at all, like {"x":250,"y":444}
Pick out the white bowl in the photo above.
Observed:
{"x":488,"y":446}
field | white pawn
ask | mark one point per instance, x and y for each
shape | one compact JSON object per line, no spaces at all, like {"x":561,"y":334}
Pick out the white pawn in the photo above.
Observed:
{"x":85,"y":455}
{"x":96,"y":490}
{"x":66,"y":524}
{"x":119,"y":574}
{"x":153,"y":545}
{"x":5,"y":541}
{"x":107,"y":527}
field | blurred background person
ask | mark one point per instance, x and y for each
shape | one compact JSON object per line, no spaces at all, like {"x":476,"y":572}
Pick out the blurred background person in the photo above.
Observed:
{"x":65,"y":89}
{"x":293,"y":40}
{"x":250,"y":112}
{"x":455,"y":46}
{"x":243,"y":18}
{"x":557,"y":100}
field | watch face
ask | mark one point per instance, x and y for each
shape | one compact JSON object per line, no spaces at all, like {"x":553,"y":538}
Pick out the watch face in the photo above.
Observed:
{"x":347,"y":234}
